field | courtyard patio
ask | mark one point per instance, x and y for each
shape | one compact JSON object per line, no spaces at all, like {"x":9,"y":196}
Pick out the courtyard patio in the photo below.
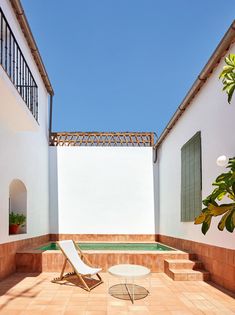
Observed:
{"x":123,"y":197}
{"x":26,"y":294}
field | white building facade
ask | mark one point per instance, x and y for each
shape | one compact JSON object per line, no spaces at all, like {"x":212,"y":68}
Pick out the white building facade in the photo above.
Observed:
{"x":210,"y":114}
{"x":23,"y":132}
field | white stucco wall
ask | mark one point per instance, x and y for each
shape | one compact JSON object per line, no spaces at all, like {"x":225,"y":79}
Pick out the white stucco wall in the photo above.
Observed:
{"x":101,"y":190}
{"x":24,"y":154}
{"x":214,"y":117}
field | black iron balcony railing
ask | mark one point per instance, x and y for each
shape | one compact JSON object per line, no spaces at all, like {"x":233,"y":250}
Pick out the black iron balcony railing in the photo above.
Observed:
{"x":15,"y":65}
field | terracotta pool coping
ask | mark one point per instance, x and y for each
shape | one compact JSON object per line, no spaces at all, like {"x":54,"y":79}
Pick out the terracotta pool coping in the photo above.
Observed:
{"x":39,"y":251}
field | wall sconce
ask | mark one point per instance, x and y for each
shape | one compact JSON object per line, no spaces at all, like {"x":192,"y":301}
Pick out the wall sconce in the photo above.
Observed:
{"x":222,"y":160}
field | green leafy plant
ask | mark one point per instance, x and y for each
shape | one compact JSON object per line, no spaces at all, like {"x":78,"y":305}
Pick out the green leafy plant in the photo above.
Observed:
{"x":228,"y":76}
{"x":225,"y":187}
{"x":16,"y":218}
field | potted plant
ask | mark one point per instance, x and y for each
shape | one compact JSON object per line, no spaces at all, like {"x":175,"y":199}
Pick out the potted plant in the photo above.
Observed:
{"x":15,"y":221}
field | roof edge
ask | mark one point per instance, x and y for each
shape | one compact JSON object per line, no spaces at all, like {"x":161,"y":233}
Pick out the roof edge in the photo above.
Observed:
{"x":220,"y":51}
{"x":21,"y":17}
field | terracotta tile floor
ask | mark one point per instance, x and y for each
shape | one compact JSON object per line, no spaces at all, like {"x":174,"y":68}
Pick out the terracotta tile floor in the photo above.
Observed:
{"x":26,"y":294}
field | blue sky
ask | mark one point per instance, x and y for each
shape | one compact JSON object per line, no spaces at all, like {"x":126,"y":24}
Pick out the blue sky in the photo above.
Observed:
{"x":124,"y":65}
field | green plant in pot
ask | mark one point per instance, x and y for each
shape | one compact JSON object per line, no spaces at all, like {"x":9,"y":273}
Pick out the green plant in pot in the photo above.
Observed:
{"x":15,"y":221}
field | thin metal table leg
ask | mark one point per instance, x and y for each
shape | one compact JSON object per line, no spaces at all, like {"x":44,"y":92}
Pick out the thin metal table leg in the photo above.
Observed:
{"x":129,"y":293}
{"x":150,"y":284}
{"x":133,"y":291}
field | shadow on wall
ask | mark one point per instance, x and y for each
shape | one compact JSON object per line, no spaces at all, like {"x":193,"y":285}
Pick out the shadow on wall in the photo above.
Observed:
{"x":156,"y":198}
{"x":53,"y":191}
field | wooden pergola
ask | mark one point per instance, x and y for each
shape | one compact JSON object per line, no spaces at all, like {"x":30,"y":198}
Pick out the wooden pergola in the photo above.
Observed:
{"x":132,"y":139}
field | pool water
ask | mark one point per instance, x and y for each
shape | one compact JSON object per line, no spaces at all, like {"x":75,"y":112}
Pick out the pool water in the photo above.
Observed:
{"x":114,"y":246}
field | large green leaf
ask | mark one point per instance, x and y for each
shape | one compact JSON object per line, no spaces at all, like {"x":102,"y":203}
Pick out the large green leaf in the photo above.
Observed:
{"x":200,"y":219}
{"x":206,"y":224}
{"x":211,"y":199}
{"x":222,"y":222}
{"x":229,"y":222}
{"x":221,"y":195}
{"x":233,"y":188}
{"x":230,"y":91}
{"x":223,"y":177}
{"x":221,"y":209}
{"x":228,"y":76}
{"x":233,"y":218}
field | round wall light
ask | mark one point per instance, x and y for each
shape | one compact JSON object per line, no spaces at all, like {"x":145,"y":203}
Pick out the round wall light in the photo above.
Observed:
{"x":222,"y":160}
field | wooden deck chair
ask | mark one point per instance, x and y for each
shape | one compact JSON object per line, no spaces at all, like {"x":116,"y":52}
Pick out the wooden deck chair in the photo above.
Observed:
{"x":80,"y":264}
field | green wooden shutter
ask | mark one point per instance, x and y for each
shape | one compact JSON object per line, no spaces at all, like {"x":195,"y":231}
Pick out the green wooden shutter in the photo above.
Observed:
{"x":191,"y":179}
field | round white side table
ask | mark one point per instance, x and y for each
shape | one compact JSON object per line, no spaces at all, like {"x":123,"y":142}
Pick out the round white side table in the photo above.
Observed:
{"x":130,"y":273}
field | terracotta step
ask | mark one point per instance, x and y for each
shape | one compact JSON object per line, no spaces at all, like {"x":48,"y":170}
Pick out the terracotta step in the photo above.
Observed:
{"x":182,"y":264}
{"x":188,"y":275}
{"x":192,"y":256}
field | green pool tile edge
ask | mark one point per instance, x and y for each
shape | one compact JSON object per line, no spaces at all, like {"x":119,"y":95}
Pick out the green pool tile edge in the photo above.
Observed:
{"x":114,"y":246}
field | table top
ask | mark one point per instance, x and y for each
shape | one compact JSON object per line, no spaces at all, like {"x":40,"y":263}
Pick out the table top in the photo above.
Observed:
{"x":129,"y":271}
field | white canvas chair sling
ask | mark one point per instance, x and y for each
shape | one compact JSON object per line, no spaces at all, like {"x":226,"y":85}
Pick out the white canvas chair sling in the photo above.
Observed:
{"x":80,"y":264}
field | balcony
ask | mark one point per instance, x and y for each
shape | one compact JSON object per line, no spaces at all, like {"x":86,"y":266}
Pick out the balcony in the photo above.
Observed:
{"x":17,"y":85}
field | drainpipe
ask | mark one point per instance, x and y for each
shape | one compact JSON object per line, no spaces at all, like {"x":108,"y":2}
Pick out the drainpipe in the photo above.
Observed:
{"x":50,"y":117}
{"x":155,"y":149}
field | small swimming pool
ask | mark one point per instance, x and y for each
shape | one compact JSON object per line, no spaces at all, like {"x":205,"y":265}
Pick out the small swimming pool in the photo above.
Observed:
{"x":115,"y":246}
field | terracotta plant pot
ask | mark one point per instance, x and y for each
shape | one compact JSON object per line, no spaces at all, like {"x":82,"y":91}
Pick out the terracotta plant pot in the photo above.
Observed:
{"x":14,"y":229}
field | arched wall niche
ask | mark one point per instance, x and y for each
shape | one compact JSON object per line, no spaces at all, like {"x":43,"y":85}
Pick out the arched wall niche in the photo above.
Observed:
{"x":18,"y":201}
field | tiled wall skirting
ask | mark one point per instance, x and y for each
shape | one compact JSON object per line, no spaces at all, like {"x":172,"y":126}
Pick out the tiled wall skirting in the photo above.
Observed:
{"x":105,"y":237}
{"x":52,"y":261}
{"x":8,"y":253}
{"x":220,"y":262}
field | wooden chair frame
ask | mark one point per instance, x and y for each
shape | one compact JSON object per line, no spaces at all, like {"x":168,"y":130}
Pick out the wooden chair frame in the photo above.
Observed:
{"x":80,"y":276}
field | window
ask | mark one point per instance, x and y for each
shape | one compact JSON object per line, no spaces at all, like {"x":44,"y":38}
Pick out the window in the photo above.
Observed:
{"x":18,"y":203}
{"x":191,"y":179}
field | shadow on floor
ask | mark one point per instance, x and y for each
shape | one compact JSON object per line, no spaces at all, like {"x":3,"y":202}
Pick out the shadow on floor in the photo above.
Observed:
{"x":223,"y":290}
{"x":7,"y":288}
